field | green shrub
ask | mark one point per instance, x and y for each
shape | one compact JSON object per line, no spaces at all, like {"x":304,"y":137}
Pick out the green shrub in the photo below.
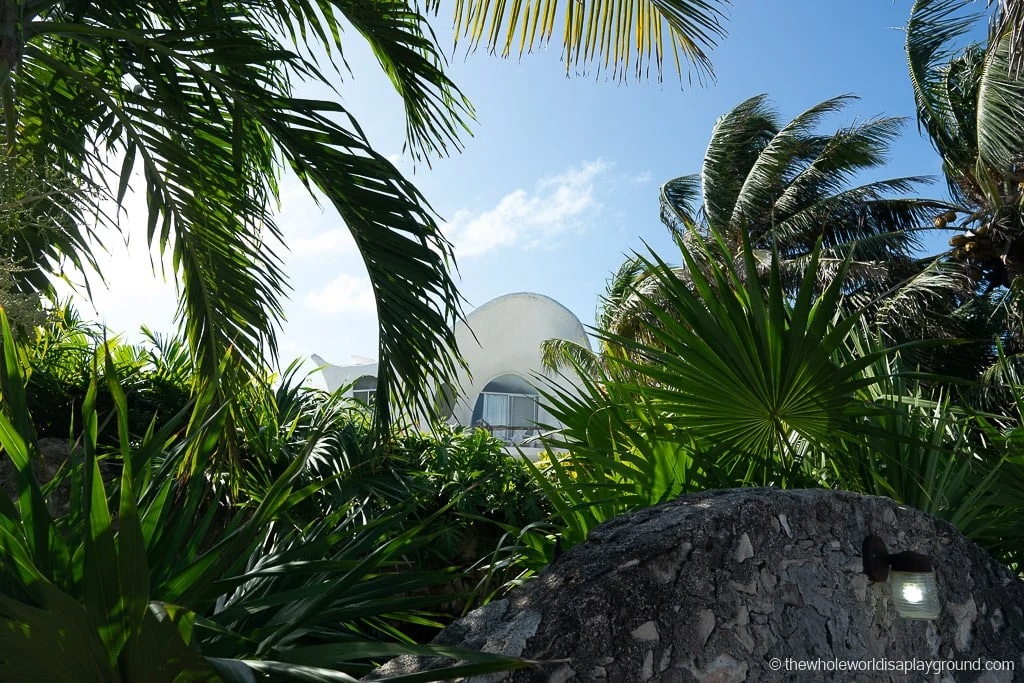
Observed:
{"x":735,"y":383}
{"x":154,"y":575}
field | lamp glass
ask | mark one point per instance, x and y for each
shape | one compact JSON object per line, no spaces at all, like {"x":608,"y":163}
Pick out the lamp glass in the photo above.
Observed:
{"x":915,"y":594}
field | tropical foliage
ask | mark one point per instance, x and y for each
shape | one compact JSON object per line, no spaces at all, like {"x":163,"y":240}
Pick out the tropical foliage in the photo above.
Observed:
{"x":603,"y":35}
{"x":141,"y":557}
{"x":968,"y":102}
{"x":197,"y":97}
{"x":149,"y":576}
{"x":787,"y":188}
{"x":805,"y":303}
{"x":803,"y":397}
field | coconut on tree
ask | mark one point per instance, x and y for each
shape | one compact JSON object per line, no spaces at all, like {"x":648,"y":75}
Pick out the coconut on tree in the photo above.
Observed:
{"x":970,"y":103}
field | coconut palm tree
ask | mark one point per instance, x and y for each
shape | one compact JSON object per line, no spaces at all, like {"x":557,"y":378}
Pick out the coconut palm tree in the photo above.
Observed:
{"x":197,"y":97}
{"x":786,"y":188}
{"x":970,"y":102}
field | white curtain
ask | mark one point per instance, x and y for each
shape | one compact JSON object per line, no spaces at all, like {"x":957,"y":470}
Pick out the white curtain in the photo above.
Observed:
{"x":495,"y":410}
{"x":495,"y":413}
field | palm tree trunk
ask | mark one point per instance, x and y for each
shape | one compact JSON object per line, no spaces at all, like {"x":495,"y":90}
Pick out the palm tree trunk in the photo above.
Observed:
{"x":1013,"y":259}
{"x":9,"y":56}
{"x":8,"y":39}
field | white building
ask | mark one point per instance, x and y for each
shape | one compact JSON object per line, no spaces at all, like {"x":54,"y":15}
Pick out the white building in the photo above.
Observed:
{"x":504,"y":359}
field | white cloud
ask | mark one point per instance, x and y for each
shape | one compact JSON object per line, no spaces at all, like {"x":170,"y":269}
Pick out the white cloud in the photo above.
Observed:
{"x":333,"y":241}
{"x":343,"y":294}
{"x":641,"y":178}
{"x":556,"y":204}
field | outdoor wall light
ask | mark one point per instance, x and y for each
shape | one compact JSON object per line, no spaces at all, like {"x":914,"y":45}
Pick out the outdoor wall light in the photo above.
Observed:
{"x":912,"y":579}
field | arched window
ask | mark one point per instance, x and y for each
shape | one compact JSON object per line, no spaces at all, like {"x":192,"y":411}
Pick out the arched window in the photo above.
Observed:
{"x":365,"y":389}
{"x":507,"y":408}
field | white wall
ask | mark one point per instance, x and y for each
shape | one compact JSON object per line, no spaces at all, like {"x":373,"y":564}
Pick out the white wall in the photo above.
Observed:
{"x":501,"y":337}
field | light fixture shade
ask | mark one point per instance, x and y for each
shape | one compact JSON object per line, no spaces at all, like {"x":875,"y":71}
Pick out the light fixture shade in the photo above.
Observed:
{"x":915,"y":594}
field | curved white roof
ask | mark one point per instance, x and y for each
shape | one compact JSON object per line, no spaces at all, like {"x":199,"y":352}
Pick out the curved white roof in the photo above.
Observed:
{"x":501,"y":337}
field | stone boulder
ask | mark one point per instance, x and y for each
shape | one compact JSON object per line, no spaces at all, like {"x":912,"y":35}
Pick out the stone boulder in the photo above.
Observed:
{"x":750,"y":585}
{"x":53,"y":455}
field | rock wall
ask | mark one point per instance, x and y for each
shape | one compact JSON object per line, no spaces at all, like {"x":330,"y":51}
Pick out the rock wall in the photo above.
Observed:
{"x":750,"y":584}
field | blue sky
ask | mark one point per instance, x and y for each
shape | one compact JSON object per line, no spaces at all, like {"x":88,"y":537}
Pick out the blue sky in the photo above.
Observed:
{"x":560,"y":178}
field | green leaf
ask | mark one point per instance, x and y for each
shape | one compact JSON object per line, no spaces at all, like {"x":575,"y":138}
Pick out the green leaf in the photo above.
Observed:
{"x":55,"y":642}
{"x":101,"y":585}
{"x":159,"y":651}
{"x":132,"y":567}
{"x":18,"y":440}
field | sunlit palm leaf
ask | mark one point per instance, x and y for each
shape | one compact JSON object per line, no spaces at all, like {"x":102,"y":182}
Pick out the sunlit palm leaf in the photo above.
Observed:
{"x":598,"y":33}
{"x":787,"y":187}
{"x":403,"y":42}
{"x":1000,"y":109}
{"x":932,"y":31}
{"x":1009,"y":21}
{"x":736,"y":141}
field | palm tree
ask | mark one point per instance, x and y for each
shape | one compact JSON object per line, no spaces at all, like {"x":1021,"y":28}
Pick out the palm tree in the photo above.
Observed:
{"x":785,"y":189}
{"x":970,"y":102}
{"x":198,"y":97}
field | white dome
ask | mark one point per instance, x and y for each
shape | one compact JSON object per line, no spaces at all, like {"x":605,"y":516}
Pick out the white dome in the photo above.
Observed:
{"x":502,"y":337}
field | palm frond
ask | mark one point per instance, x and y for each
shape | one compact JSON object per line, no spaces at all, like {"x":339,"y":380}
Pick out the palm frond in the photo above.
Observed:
{"x":617,"y":289}
{"x":933,"y":30}
{"x":599,"y":33}
{"x":736,"y":141}
{"x":201,"y":103}
{"x":437,"y":113}
{"x":1000,"y":109}
{"x":563,"y":354}
{"x":917,"y":300}
{"x":779,"y":160}
{"x":680,"y":205}
{"x":1009,"y":22}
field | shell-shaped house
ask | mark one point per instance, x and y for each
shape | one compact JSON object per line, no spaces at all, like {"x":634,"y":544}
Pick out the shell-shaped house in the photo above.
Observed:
{"x":501,"y":342}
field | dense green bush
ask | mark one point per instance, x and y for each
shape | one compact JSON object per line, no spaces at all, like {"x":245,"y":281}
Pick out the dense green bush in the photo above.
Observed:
{"x":156,"y":573}
{"x":480,"y":498}
{"x":67,"y":352}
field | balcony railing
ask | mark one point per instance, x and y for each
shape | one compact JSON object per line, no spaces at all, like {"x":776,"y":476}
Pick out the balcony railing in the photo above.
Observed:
{"x":526,"y":437}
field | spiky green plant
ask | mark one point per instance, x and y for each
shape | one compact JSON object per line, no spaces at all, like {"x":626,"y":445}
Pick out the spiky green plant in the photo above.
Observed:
{"x":149,"y":577}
